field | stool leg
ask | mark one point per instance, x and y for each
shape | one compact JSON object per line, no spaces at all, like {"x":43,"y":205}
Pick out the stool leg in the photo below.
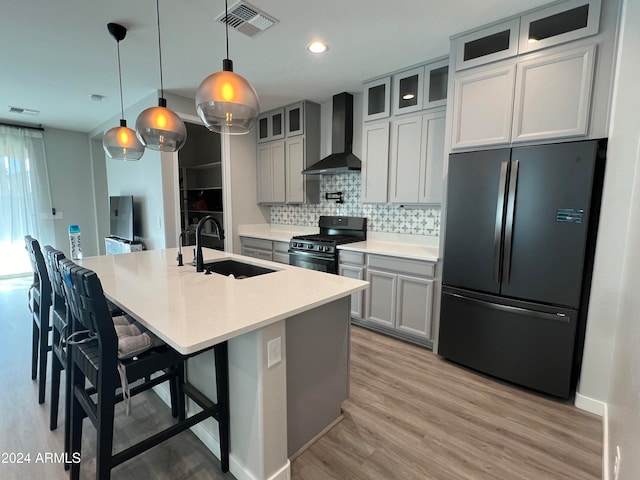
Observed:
{"x":182,"y":406}
{"x":34,"y":351}
{"x":75,"y":434}
{"x":104,"y":427}
{"x":56,"y":368}
{"x":42,"y":347}
{"x":67,"y":406}
{"x":222,"y":388}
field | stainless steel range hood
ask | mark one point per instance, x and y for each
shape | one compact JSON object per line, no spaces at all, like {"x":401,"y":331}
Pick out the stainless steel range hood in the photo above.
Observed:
{"x":341,"y":159}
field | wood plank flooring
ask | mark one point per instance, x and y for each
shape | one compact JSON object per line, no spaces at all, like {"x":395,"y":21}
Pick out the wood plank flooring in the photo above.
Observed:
{"x":411,"y":415}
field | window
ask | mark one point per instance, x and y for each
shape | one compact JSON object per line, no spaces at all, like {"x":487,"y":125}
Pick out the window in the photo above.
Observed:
{"x":25,"y":201}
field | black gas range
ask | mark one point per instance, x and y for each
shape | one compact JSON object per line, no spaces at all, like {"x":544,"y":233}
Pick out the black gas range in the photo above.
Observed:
{"x":319,"y":251}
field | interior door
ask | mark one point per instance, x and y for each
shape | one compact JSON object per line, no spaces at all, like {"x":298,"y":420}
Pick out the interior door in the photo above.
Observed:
{"x":551,"y":207}
{"x":475,"y":206}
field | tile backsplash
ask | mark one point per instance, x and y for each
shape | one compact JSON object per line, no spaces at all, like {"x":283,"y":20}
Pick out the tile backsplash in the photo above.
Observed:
{"x":381,"y":218}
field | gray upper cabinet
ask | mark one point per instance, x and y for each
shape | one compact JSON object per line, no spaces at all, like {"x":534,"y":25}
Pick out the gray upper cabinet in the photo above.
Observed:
{"x":280,"y":162}
{"x":436,"y":79}
{"x":271,"y":125}
{"x":408,"y":87}
{"x":377,"y":99}
{"x":553,"y":94}
{"x":490,"y":44}
{"x":375,"y":162}
{"x":559,"y":23}
{"x":294,"y":115}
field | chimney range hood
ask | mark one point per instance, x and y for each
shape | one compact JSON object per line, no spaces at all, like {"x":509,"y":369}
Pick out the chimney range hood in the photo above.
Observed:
{"x":341,"y":159}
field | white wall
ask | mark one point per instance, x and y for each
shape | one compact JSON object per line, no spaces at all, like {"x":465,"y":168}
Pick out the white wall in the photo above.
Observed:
{"x":624,"y":322}
{"x":72,"y":187}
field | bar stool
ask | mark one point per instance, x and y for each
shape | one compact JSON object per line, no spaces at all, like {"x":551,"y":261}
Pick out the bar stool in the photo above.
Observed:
{"x":39,"y":304}
{"x":94,"y":358}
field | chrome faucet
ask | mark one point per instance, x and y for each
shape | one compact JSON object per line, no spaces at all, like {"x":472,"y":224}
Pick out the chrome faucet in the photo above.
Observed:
{"x":219,"y":233}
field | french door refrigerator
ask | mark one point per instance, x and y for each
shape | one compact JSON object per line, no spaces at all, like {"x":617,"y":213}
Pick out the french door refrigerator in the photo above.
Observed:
{"x":520,"y":236}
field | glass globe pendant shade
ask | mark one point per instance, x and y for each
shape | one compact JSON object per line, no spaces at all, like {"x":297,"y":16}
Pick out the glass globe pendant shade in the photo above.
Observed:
{"x":226,"y":102}
{"x":121,"y":143}
{"x":158,"y":128}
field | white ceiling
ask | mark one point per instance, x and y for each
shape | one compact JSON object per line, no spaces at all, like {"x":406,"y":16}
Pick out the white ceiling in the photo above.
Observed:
{"x":57,"y":53}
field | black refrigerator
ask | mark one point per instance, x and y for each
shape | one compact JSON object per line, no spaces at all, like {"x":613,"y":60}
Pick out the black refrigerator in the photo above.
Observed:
{"x":518,"y":256}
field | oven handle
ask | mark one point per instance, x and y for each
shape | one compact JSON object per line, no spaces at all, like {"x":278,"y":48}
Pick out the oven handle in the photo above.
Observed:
{"x":311,"y":255}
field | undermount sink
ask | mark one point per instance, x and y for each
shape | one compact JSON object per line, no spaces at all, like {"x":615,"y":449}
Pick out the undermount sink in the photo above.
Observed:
{"x":239,"y":270}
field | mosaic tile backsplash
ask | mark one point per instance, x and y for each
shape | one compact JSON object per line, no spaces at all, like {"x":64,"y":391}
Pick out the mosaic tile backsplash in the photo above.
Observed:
{"x":381,"y":218}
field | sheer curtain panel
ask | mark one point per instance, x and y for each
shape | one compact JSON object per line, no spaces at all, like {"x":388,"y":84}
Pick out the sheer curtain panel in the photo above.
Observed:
{"x":25,"y":197}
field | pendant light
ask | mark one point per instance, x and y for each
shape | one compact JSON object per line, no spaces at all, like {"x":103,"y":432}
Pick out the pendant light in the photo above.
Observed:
{"x":158,"y":128}
{"x":121,"y":143}
{"x":225,"y":101}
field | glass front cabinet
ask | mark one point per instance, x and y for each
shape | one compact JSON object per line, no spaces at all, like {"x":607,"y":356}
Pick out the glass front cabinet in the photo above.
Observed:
{"x":407,"y":91}
{"x":377,"y":99}
{"x":271,"y":125}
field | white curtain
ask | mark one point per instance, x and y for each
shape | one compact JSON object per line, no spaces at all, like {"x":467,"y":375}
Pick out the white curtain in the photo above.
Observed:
{"x":25,"y":197}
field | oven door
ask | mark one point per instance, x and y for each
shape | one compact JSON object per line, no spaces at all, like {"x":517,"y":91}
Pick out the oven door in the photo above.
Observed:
{"x":313,"y":261}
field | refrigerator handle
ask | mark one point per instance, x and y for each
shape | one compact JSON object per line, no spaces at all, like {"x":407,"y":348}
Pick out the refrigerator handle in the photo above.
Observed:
{"x":508,"y":231}
{"x":497,"y":236}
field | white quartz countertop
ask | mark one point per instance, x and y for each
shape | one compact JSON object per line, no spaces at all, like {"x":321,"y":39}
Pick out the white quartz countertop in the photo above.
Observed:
{"x":273,"y":233}
{"x":394,"y":249}
{"x":192,"y":311}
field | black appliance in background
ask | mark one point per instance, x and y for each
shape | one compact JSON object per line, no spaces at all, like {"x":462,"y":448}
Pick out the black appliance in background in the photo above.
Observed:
{"x":319,"y":252}
{"x":518,"y":257}
{"x":121,"y":217}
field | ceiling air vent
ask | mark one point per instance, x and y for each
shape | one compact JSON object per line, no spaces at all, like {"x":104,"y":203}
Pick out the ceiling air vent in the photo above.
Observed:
{"x":247,"y":19}
{"x":23,"y":111}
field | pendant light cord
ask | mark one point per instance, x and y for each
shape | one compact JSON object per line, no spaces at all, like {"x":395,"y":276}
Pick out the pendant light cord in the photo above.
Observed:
{"x":120,"y":77}
{"x":226,"y":23}
{"x":159,"y":48}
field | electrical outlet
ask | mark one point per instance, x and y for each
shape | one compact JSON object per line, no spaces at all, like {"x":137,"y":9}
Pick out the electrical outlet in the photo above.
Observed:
{"x":274,"y":352}
{"x":616,"y":463}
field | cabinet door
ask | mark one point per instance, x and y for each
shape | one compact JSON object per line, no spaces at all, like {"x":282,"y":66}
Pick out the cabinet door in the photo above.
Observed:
{"x":271,"y":173}
{"x":265,"y":174}
{"x":436,"y":79}
{"x":487,"y":45}
{"x":295,"y":164}
{"x":381,"y":297}
{"x":406,"y":150}
{"x":414,"y":305}
{"x":553,"y":92}
{"x":433,"y":131}
{"x":276,"y":120}
{"x":559,"y":23}
{"x":375,"y":164}
{"x":408,"y":88}
{"x":357,"y":304}
{"x":377,"y":99}
{"x":249,"y":252}
{"x":278,"y":156}
{"x":483,"y":103}
{"x":263,"y":128}
{"x":295,"y":119}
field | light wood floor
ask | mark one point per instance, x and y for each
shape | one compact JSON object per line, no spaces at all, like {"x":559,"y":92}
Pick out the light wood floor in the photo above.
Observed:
{"x":411,"y":415}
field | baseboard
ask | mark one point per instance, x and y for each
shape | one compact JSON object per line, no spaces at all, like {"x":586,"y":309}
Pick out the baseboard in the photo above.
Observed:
{"x":589,"y":405}
{"x":605,"y":443}
{"x":308,"y":445}
{"x":209,"y":441}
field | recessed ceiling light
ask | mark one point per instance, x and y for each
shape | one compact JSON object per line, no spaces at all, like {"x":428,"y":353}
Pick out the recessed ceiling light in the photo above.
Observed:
{"x":317,"y":47}
{"x":96,"y":97}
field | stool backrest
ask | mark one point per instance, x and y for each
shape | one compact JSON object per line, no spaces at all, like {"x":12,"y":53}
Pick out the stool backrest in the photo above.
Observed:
{"x":89,"y":309}
{"x":52,"y":257}
{"x":41,"y":276}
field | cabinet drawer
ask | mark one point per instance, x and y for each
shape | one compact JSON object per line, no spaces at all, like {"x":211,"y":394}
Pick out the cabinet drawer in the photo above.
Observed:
{"x":250,"y":242}
{"x":354,"y":258}
{"x":281,"y":247}
{"x":402,"y":265}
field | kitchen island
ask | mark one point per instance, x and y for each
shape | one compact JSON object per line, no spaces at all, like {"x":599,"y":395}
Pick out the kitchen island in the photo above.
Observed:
{"x":288,"y":338}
